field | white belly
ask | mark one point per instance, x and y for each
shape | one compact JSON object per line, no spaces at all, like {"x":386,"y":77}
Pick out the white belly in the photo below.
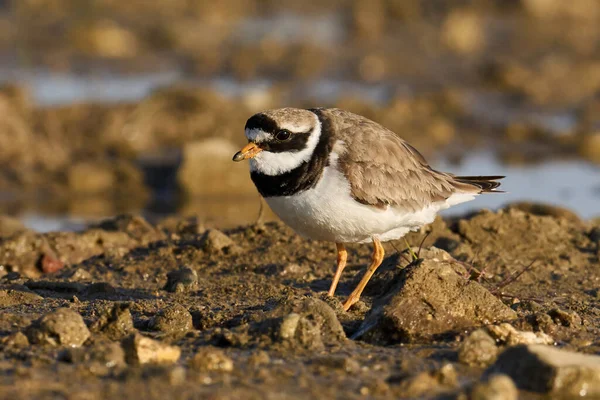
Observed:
{"x":328,"y":212}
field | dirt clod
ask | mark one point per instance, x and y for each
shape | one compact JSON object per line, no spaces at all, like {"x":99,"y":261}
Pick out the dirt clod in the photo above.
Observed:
{"x":182,"y":280}
{"x":506,"y":334}
{"x":62,"y":327}
{"x":11,"y":297}
{"x":174,"y":320}
{"x":431,"y":298}
{"x":115,"y":322}
{"x":107,"y":355}
{"x":478,"y":349}
{"x":215,"y":241}
{"x":209,"y":359}
{"x":496,"y":387}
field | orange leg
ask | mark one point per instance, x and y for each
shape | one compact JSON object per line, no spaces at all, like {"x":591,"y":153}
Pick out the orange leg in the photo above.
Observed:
{"x":342,"y":256}
{"x":378,"y":254}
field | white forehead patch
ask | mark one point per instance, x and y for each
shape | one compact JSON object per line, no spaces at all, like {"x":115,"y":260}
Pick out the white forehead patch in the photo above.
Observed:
{"x":257,"y":135}
{"x":273,"y":164}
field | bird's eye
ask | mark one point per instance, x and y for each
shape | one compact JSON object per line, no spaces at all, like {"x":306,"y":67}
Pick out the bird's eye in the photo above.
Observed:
{"x":283,"y":135}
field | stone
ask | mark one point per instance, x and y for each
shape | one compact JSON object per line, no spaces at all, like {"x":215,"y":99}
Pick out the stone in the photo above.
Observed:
{"x":496,"y":387}
{"x":143,"y":350}
{"x":62,"y":327}
{"x":214,"y":241}
{"x":114,"y":322}
{"x":174,"y":320}
{"x":478,"y":349}
{"x":307,"y":324}
{"x":430,"y":298}
{"x":11,"y":297}
{"x":182,"y":280}
{"x":548,"y":370}
{"x":89,"y":177}
{"x":209,"y":359}
{"x":108,"y":355}
{"x":506,"y":334}
{"x":207,"y":169}
{"x":15,"y":340}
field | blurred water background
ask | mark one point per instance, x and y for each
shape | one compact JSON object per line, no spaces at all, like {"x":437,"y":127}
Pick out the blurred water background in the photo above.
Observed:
{"x":109,"y":107}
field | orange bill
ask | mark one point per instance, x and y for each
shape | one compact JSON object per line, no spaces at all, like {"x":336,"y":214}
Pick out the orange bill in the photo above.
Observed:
{"x":250,"y":150}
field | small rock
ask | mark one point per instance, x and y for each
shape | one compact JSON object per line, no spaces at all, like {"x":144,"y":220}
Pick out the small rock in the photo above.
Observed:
{"x":546,"y":369}
{"x":259,"y":358}
{"x":343,"y":363}
{"x":174,"y":320}
{"x":182,"y":280}
{"x":135,"y":227}
{"x":62,"y":327}
{"x":215,"y":241}
{"x":496,"y":387}
{"x":565,"y":318}
{"x":211,"y":359}
{"x":506,"y":334}
{"x":143,"y":350}
{"x":49,"y":263}
{"x":109,"y":355}
{"x":114,"y":322}
{"x":301,"y":331}
{"x":80,"y":275}
{"x":88,"y":177}
{"x":98,"y":289}
{"x":15,"y":340}
{"x":207,"y":170}
{"x":10,"y":297}
{"x":432,"y":298}
{"x":478,"y":349}
{"x":308,"y":324}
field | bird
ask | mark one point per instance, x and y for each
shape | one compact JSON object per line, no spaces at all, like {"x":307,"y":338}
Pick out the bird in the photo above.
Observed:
{"x":335,"y":176}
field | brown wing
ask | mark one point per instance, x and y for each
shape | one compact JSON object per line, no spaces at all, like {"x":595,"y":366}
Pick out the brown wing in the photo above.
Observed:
{"x":385,"y":170}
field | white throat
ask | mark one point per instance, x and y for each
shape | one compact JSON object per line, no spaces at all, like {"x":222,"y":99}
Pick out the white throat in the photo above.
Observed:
{"x":272,"y":164}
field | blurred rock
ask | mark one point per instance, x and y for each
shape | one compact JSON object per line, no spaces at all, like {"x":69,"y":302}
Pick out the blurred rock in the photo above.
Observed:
{"x":545,"y":210}
{"x":545,"y":369}
{"x":11,"y":297}
{"x":211,"y":359}
{"x":115,"y":322}
{"x":182,"y":280}
{"x":62,"y":327}
{"x":107,"y":355}
{"x":143,"y":350}
{"x":207,"y":169}
{"x":478,"y":349}
{"x":215,"y":241}
{"x":495,"y":387}
{"x":91,"y":178}
{"x":506,"y":334}
{"x":174,"y":320}
{"x":464,"y":31}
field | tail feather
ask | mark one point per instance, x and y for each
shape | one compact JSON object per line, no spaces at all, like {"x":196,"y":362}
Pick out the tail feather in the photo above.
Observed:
{"x":486,"y":184}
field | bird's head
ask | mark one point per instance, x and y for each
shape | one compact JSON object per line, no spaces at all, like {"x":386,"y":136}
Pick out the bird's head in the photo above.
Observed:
{"x":280,"y":140}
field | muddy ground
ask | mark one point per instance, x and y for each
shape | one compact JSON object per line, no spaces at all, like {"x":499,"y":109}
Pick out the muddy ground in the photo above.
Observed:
{"x":127,"y":308}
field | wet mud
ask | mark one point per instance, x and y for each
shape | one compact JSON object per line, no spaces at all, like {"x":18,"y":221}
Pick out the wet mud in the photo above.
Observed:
{"x":130,"y":308}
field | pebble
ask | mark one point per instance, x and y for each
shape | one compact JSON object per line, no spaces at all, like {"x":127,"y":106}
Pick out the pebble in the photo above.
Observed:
{"x":175,"y":320}
{"x":211,"y":359}
{"x":114,"y":322}
{"x":496,"y":387}
{"x":478,"y":349}
{"x":182,"y":280}
{"x":143,"y":350}
{"x":62,"y":327}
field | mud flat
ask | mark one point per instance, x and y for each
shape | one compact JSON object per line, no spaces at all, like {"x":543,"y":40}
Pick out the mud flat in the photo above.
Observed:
{"x":126,"y":308}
